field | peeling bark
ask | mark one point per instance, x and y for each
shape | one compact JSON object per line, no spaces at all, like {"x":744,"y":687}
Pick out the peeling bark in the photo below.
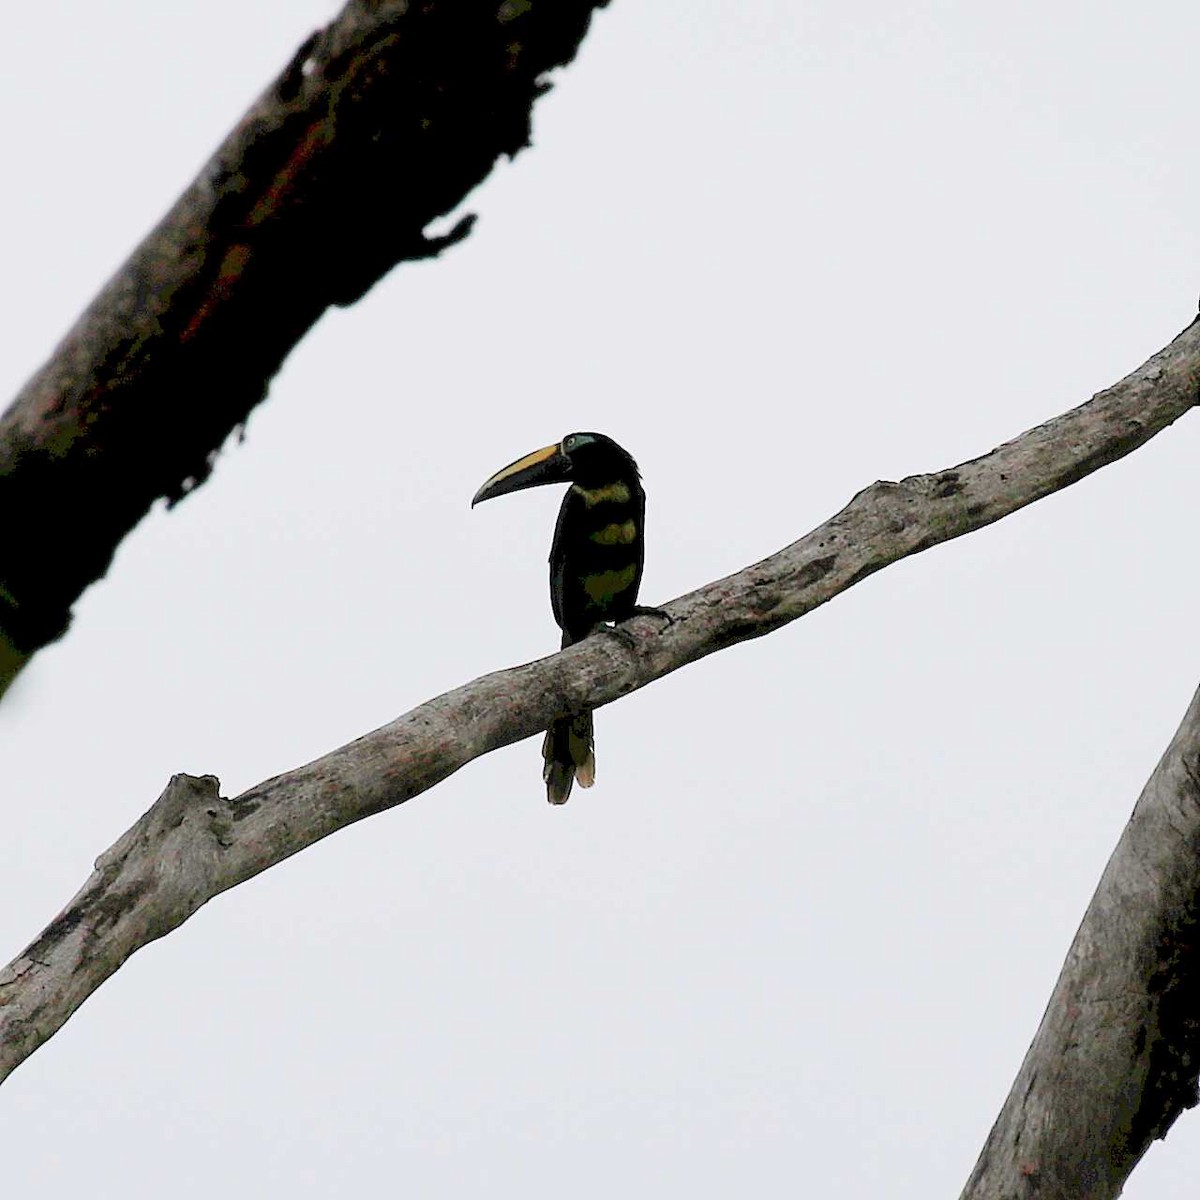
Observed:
{"x":383,"y":121}
{"x":194,"y":844}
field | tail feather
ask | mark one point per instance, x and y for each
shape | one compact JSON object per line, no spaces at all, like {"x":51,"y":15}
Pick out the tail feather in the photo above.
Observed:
{"x":568,"y":751}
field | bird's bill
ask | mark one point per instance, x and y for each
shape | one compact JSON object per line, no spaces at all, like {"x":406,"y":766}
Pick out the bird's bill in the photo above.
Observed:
{"x":547,"y":465}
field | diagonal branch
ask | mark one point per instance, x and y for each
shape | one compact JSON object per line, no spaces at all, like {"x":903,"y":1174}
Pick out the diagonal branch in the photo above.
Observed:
{"x":194,"y":844}
{"x":383,"y":121}
{"x":1117,"y":1055}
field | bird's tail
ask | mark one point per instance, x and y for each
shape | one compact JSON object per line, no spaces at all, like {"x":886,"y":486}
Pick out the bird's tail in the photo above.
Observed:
{"x":569,"y":755}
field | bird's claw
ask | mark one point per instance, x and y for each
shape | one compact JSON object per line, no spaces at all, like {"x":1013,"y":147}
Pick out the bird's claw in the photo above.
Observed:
{"x":642,"y":610}
{"x":624,"y":635}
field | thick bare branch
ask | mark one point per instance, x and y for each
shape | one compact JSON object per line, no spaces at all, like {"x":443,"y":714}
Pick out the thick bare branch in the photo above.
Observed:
{"x":1117,"y":1055}
{"x":194,"y":844}
{"x":382,"y":122}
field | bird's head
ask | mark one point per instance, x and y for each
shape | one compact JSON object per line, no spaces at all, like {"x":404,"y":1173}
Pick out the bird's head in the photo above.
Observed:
{"x":589,"y":459}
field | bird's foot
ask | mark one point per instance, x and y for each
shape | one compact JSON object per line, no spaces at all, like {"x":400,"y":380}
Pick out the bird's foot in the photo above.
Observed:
{"x":623,"y":635}
{"x":642,"y":610}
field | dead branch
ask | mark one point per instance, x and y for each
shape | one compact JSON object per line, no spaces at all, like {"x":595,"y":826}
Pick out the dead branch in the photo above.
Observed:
{"x":1117,"y":1055}
{"x":382,"y":122}
{"x":194,"y":844}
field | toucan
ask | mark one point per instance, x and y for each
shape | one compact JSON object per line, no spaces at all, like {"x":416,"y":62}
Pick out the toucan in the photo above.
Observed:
{"x":595,"y":567}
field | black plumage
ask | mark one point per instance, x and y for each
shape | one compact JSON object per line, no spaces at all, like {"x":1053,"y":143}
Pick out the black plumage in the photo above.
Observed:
{"x":595,"y":566}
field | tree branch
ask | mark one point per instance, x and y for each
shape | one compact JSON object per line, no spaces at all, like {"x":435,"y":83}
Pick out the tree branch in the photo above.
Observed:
{"x":1117,"y":1056}
{"x":194,"y":844}
{"x":383,"y":121}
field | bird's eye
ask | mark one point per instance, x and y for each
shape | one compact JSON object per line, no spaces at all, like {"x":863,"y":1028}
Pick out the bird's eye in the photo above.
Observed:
{"x":569,"y":443}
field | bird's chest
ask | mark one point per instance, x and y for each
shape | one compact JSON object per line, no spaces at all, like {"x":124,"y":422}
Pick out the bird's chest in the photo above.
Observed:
{"x":596,"y":560}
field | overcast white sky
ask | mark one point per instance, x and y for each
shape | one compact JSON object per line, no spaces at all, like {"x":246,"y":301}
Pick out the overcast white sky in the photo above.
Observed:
{"x":803,"y":928}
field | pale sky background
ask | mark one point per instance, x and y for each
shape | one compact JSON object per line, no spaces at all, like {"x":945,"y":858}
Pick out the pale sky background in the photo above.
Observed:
{"x":799,"y":935}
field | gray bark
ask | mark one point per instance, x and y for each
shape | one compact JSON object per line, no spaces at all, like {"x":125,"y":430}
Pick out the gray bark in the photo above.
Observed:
{"x":1117,"y":1055}
{"x":383,"y":121}
{"x":194,"y":844}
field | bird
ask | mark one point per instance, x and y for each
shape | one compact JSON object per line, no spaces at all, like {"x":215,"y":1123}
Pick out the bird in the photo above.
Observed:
{"x":595,"y":567}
